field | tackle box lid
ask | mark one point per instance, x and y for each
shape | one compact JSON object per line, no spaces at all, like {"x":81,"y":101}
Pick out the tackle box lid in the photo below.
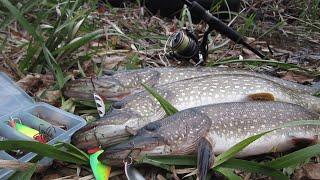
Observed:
{"x":12,"y":97}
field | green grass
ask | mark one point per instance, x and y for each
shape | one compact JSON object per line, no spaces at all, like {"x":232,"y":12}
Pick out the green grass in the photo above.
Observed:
{"x":56,"y":43}
{"x":24,"y":175}
{"x":310,"y":10}
{"x":61,"y":151}
{"x":258,"y":62}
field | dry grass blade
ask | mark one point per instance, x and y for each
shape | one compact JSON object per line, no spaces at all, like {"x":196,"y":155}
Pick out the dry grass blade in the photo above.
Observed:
{"x":17,"y":165}
{"x":24,"y":175}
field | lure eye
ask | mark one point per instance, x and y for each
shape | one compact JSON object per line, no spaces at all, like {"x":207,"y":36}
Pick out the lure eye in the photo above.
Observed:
{"x":117,"y":105}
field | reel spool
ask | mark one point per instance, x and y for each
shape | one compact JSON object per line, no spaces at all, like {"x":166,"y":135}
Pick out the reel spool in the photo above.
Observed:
{"x":185,"y":45}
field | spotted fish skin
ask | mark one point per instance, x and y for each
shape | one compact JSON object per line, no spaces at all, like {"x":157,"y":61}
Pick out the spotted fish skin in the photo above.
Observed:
{"x":211,"y":90}
{"x":223,"y":125}
{"x":161,"y":76}
{"x":124,"y":83}
{"x":141,"y":108}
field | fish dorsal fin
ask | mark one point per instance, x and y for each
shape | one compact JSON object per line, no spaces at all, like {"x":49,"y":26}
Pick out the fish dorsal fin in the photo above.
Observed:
{"x":261,"y":97}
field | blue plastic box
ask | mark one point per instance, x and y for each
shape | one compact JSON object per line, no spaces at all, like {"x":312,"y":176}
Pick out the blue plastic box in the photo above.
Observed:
{"x":16,"y":104}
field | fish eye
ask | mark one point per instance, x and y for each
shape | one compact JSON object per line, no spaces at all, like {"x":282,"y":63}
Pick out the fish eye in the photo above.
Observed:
{"x":152,"y":126}
{"x":117,"y":105}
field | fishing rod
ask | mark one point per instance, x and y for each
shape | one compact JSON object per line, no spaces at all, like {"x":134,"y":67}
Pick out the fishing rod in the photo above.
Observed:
{"x":185,"y":45}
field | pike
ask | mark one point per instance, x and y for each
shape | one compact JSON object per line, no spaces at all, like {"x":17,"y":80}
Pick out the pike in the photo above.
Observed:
{"x":142,"y":108}
{"x":213,"y":129}
{"x":121,"y":84}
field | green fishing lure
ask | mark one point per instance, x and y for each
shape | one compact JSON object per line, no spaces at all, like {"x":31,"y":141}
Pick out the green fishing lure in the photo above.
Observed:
{"x":26,"y":130}
{"x":100,"y":171}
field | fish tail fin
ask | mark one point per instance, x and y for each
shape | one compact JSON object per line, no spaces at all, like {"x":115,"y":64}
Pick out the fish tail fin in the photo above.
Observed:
{"x":205,"y":157}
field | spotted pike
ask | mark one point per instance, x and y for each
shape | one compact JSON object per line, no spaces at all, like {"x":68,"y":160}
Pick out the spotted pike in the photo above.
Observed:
{"x":213,"y":129}
{"x":141,"y":108}
{"x":124,"y":83}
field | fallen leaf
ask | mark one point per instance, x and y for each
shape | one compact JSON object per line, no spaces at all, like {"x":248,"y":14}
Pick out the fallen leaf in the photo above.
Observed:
{"x":48,"y":96}
{"x":68,"y":105}
{"x":111,"y":62}
{"x":31,"y":80}
{"x":291,"y":76}
{"x":28,"y":81}
{"x":308,"y":171}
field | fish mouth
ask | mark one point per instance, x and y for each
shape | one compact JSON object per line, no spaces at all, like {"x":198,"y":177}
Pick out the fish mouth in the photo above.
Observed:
{"x":88,"y":95}
{"x":117,"y":96}
{"x":131,"y":148}
{"x":111,"y":129}
{"x":100,"y":136}
{"x":108,"y":88}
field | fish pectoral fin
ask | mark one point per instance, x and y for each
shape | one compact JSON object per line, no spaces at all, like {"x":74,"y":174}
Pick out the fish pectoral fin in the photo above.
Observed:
{"x":261,"y":97}
{"x":205,"y":157}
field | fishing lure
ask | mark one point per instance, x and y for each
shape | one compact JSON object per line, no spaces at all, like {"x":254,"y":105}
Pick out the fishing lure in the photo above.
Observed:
{"x":100,"y":171}
{"x":99,"y":101}
{"x":30,"y":132}
{"x":100,"y":104}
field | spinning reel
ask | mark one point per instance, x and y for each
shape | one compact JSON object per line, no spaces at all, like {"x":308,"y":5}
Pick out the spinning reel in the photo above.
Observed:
{"x":185,"y":45}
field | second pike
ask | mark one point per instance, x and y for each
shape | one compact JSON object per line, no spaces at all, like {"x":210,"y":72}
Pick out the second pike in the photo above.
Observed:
{"x":141,"y":108}
{"x":213,"y":129}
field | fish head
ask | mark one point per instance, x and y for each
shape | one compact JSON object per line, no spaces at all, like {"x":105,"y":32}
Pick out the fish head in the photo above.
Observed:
{"x":147,"y":141}
{"x":109,"y":130}
{"x":174,"y":135}
{"x":107,"y":87}
{"x":132,"y":149}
